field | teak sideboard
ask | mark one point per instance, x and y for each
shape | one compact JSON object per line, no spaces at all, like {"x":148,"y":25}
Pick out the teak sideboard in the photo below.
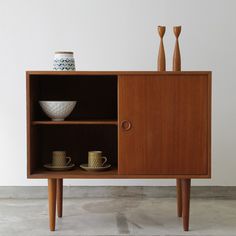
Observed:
{"x":148,"y":124}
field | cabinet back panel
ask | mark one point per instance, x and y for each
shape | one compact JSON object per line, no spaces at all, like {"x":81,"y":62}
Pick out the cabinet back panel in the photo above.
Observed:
{"x":77,"y":141}
{"x":96,"y":95}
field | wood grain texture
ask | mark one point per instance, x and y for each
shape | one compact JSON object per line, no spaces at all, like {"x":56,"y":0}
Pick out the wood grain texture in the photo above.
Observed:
{"x":59,"y":197}
{"x":52,"y":186}
{"x":186,"y":184}
{"x":169,"y":117}
{"x":161,"y":60}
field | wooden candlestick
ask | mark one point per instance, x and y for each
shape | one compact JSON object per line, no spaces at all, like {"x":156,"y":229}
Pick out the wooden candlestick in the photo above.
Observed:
{"x":176,"y":56}
{"x":161,"y":62}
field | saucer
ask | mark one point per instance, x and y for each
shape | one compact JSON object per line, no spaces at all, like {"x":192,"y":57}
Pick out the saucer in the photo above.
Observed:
{"x":102,"y":168}
{"x":59,"y":168}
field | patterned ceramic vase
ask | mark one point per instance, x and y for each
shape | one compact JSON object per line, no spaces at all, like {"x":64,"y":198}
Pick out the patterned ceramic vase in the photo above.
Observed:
{"x":64,"y":61}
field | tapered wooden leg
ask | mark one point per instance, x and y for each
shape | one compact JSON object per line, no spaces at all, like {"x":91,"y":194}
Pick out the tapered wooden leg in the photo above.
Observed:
{"x":52,"y":187}
{"x":179,"y":197}
{"x":185,"y":184}
{"x":59,"y":197}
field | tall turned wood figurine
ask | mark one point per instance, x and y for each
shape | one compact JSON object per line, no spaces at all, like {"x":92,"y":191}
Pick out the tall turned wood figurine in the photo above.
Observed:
{"x":176,"y":56}
{"x":161,"y":61}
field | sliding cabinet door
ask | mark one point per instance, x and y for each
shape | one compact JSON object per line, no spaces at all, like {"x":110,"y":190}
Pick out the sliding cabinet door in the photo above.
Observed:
{"x":164,"y":124}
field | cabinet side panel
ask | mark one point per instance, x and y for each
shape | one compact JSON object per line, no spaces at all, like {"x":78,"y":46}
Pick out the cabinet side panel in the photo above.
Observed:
{"x":209,"y":121}
{"x":28,"y":121}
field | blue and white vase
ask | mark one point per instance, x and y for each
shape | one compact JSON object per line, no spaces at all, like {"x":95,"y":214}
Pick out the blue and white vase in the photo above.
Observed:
{"x":64,"y":61}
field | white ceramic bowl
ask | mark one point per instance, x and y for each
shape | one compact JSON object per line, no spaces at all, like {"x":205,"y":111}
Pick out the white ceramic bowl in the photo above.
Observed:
{"x":57,"y":110}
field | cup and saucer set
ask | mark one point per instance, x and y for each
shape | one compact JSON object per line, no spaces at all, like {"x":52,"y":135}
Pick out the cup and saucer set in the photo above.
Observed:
{"x":96,"y":162}
{"x":61,"y":162}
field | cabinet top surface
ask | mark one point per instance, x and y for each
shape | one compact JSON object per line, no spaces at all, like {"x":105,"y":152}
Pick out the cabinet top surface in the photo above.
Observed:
{"x":116,"y":72}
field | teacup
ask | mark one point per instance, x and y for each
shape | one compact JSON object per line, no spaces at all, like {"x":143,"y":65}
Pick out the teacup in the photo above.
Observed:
{"x":59,"y":158}
{"x":95,"y":159}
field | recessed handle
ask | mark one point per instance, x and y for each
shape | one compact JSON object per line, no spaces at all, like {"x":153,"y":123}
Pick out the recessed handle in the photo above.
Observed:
{"x":126,"y":125}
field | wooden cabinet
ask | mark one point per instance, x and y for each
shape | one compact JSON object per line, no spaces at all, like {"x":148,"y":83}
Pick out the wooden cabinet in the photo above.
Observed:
{"x":148,"y":124}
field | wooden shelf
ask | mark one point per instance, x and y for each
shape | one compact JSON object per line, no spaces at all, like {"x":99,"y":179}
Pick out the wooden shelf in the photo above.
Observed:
{"x":76,"y":122}
{"x":75,"y":173}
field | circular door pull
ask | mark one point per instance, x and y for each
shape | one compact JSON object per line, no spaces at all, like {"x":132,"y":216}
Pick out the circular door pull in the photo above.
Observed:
{"x":126,"y":125}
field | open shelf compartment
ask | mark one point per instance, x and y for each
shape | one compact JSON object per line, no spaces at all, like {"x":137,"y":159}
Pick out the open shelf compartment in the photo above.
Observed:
{"x":96,"y":96}
{"x":91,"y":126}
{"x":76,"y":141}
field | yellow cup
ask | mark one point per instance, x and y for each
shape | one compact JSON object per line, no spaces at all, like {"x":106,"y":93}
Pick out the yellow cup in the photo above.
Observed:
{"x":95,"y":159}
{"x":59,"y":158}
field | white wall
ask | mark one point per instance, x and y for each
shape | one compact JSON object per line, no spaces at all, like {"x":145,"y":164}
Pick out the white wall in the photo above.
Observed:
{"x":115,"y":35}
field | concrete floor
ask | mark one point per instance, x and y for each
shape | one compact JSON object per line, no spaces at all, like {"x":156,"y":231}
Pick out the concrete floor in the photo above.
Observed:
{"x":117,"y":216}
